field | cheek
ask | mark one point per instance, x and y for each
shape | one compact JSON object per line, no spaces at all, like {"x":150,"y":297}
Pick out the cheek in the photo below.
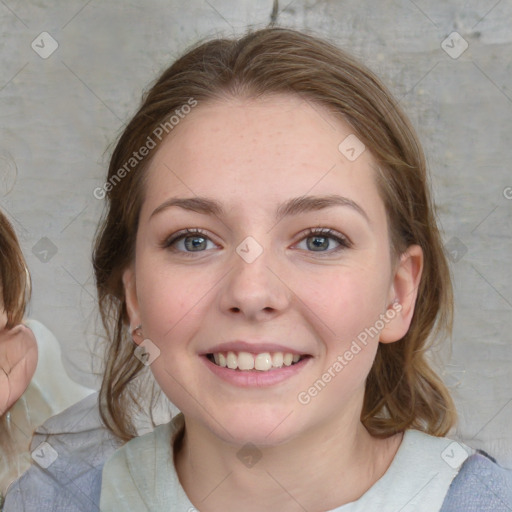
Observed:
{"x":170,"y":310}
{"x":345,"y":301}
{"x":344,"y":314}
{"x":156,"y":306}
{"x":169,"y":298}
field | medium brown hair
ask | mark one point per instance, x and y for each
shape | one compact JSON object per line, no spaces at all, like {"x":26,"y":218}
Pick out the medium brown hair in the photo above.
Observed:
{"x":14,"y":276}
{"x":402,"y":391}
{"x":14,"y":294}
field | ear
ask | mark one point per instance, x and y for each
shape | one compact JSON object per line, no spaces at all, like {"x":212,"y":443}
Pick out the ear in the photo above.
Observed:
{"x":403,"y":294}
{"x":130,"y":294}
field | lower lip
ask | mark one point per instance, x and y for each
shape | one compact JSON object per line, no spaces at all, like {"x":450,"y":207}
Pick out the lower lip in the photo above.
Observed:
{"x":256,"y":378}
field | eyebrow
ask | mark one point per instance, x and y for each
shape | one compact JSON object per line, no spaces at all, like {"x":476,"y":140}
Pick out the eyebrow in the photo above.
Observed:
{"x":294,"y":206}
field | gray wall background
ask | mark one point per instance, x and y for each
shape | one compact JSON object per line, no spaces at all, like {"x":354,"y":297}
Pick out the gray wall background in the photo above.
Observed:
{"x":58,"y":115}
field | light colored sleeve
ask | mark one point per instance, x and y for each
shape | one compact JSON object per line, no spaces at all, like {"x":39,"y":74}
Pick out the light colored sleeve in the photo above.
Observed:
{"x":55,"y":386}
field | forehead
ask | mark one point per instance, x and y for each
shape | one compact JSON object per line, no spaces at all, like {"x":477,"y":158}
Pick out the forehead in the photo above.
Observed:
{"x":260,"y":152}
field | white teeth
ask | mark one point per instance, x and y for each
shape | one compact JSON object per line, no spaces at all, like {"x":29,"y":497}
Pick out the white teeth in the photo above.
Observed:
{"x":262,"y":362}
{"x":232,"y":361}
{"x":245,"y":361}
{"x":277,"y":360}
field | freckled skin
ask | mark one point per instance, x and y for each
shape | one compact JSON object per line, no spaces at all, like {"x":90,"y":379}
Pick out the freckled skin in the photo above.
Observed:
{"x":291,"y":294}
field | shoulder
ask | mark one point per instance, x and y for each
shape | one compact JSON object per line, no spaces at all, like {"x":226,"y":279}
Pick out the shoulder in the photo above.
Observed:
{"x":134,"y":471}
{"x":138,"y":451}
{"x":68,"y":451}
{"x":442,"y":451}
{"x":481,"y":485}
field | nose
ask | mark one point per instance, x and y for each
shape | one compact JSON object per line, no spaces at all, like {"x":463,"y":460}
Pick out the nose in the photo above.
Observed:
{"x":254,"y":288}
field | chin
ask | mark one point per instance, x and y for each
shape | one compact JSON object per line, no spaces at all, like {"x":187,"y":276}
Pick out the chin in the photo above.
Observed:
{"x":258,"y":426}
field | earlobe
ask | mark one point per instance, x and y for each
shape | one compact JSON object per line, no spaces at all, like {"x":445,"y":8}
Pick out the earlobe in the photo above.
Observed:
{"x":130,"y":293}
{"x":404,"y":292}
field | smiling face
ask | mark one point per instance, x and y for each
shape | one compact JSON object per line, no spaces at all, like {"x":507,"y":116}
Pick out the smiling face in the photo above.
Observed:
{"x":255,"y":170}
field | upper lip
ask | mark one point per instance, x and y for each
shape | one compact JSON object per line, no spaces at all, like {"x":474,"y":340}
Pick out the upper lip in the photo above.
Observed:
{"x":255,"y":348}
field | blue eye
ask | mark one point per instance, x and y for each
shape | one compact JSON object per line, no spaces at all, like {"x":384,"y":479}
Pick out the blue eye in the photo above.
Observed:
{"x":318,"y":240}
{"x":321,"y":238}
{"x":194,"y":240}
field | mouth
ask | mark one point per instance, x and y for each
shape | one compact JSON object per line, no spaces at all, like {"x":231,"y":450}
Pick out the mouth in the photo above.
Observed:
{"x":262,"y":362}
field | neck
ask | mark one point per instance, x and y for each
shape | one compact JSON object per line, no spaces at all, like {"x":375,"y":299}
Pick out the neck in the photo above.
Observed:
{"x":341,"y":463}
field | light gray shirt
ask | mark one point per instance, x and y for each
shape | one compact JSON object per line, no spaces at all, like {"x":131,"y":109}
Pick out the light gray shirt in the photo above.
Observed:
{"x":141,"y":475}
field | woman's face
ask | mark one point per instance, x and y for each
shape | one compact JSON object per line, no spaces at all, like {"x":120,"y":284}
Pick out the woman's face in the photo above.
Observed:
{"x":256,"y":176}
